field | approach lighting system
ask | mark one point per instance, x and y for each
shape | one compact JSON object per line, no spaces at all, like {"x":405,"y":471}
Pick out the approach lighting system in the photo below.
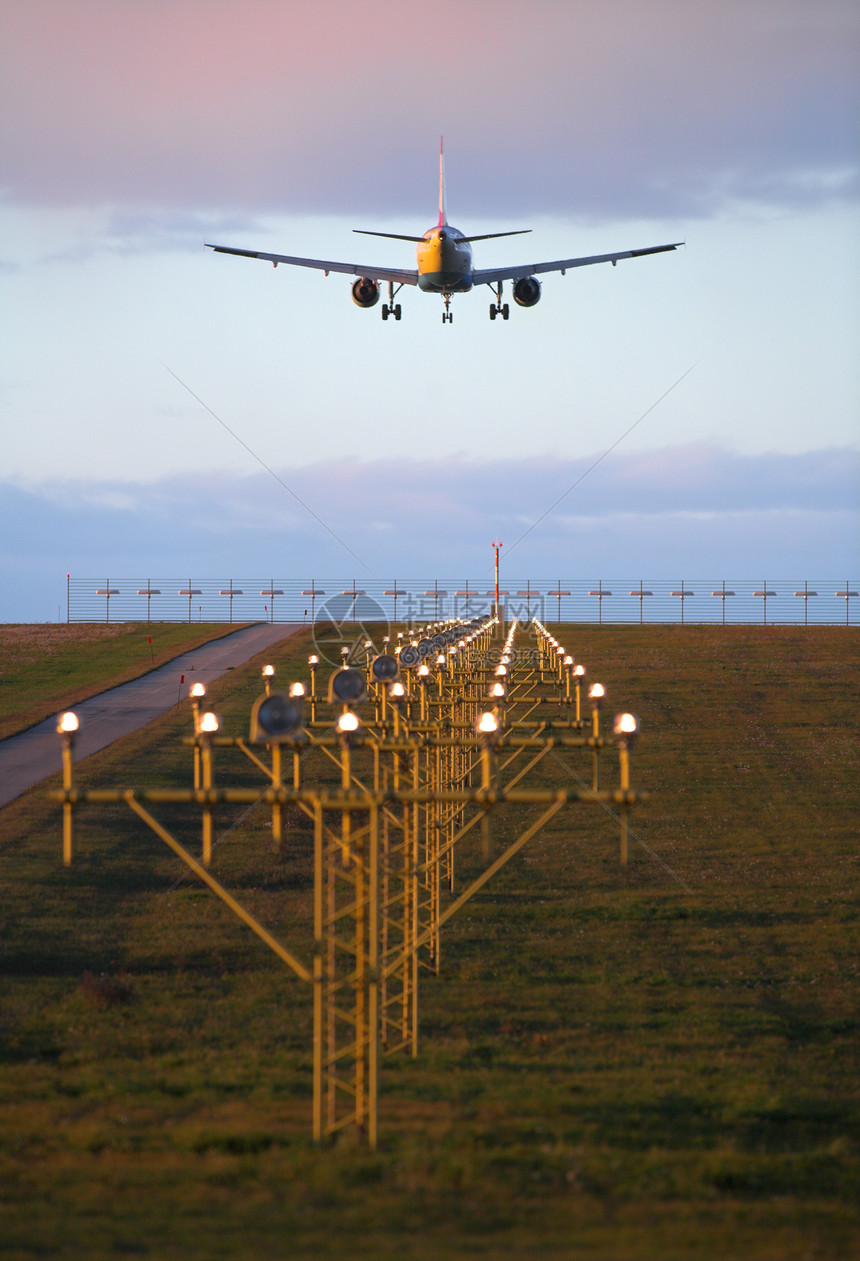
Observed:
{"x":276,"y":719}
{"x":346,"y":685}
{"x":392,"y":794}
{"x":384,"y":668}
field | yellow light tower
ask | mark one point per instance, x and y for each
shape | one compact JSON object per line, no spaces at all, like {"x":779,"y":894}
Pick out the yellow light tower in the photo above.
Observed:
{"x":207,"y":726}
{"x":68,"y":727}
{"x":625,"y":729}
{"x":596,"y":693}
{"x":197,"y":693}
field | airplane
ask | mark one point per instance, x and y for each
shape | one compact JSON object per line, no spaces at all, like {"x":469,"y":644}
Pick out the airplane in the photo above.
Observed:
{"x":444,"y":257}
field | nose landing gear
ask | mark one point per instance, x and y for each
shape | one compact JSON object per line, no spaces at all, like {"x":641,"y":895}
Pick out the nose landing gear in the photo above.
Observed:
{"x":447,"y":314}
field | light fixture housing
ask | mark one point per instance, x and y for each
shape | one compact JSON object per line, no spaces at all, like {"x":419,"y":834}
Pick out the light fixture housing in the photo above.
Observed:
{"x":346,"y":686}
{"x":277,"y":719}
{"x":384,"y":668}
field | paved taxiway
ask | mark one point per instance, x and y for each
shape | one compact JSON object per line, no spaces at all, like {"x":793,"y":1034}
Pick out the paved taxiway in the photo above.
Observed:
{"x":32,"y":756}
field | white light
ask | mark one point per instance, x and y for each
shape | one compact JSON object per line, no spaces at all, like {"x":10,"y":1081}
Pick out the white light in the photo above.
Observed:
{"x":626,"y":724}
{"x":579,"y":671}
{"x":501,"y":670}
{"x":298,"y":690}
{"x":197,"y":690}
{"x":487,"y":723}
{"x":568,"y":661}
{"x":597,"y":691}
{"x":313,"y":660}
{"x":397,"y":691}
{"x":208,"y":723}
{"x":347,"y":722}
{"x":498,"y":689}
{"x":268,"y":672}
{"x":68,"y":723}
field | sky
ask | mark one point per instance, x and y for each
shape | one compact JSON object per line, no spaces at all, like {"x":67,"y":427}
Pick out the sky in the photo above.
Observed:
{"x":168,"y":411}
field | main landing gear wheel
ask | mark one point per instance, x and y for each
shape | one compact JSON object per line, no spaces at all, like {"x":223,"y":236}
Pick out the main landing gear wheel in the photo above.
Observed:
{"x":498,"y":307}
{"x":391,"y":307}
{"x":448,"y":317}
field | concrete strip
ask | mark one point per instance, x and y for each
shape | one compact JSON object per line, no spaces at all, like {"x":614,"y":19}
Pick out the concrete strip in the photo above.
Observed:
{"x":32,"y":756}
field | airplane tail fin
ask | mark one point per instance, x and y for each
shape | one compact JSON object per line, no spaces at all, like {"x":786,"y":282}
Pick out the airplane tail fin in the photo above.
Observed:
{"x":443,"y":209}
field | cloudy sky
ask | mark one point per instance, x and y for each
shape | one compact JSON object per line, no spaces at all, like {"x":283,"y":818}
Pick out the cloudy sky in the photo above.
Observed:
{"x":168,"y":411}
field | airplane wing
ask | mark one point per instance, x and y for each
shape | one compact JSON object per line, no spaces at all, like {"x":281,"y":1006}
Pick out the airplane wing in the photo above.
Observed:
{"x":492,"y":275}
{"x":398,"y":277}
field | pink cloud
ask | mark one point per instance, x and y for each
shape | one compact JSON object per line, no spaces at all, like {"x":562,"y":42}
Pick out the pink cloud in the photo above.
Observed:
{"x":297,"y":107}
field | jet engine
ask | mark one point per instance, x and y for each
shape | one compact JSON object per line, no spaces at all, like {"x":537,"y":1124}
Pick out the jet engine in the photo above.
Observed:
{"x":527,"y":291}
{"x":365,"y":292}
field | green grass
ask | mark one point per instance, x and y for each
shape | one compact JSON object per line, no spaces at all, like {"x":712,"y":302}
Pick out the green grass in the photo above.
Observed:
{"x":613,"y":1064}
{"x":50,"y":667}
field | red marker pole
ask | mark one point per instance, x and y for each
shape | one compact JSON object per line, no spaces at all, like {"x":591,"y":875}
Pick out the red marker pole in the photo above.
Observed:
{"x":497,"y":547}
{"x":181,"y":681}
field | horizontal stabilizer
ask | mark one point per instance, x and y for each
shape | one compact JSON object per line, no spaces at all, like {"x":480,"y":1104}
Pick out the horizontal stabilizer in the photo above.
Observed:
{"x":488,"y":236}
{"x":392,"y":236}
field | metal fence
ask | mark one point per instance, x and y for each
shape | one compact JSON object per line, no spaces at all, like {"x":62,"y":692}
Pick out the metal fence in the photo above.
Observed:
{"x":617,"y":601}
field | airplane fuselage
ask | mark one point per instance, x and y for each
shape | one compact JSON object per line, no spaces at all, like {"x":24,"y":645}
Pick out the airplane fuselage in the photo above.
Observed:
{"x":444,"y":261}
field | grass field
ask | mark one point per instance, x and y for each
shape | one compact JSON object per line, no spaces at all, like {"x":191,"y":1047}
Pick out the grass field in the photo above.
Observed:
{"x":652,"y":1062}
{"x":49,"y":667}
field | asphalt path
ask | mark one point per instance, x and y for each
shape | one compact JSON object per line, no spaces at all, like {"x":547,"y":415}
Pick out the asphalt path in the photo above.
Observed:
{"x":32,"y":756}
